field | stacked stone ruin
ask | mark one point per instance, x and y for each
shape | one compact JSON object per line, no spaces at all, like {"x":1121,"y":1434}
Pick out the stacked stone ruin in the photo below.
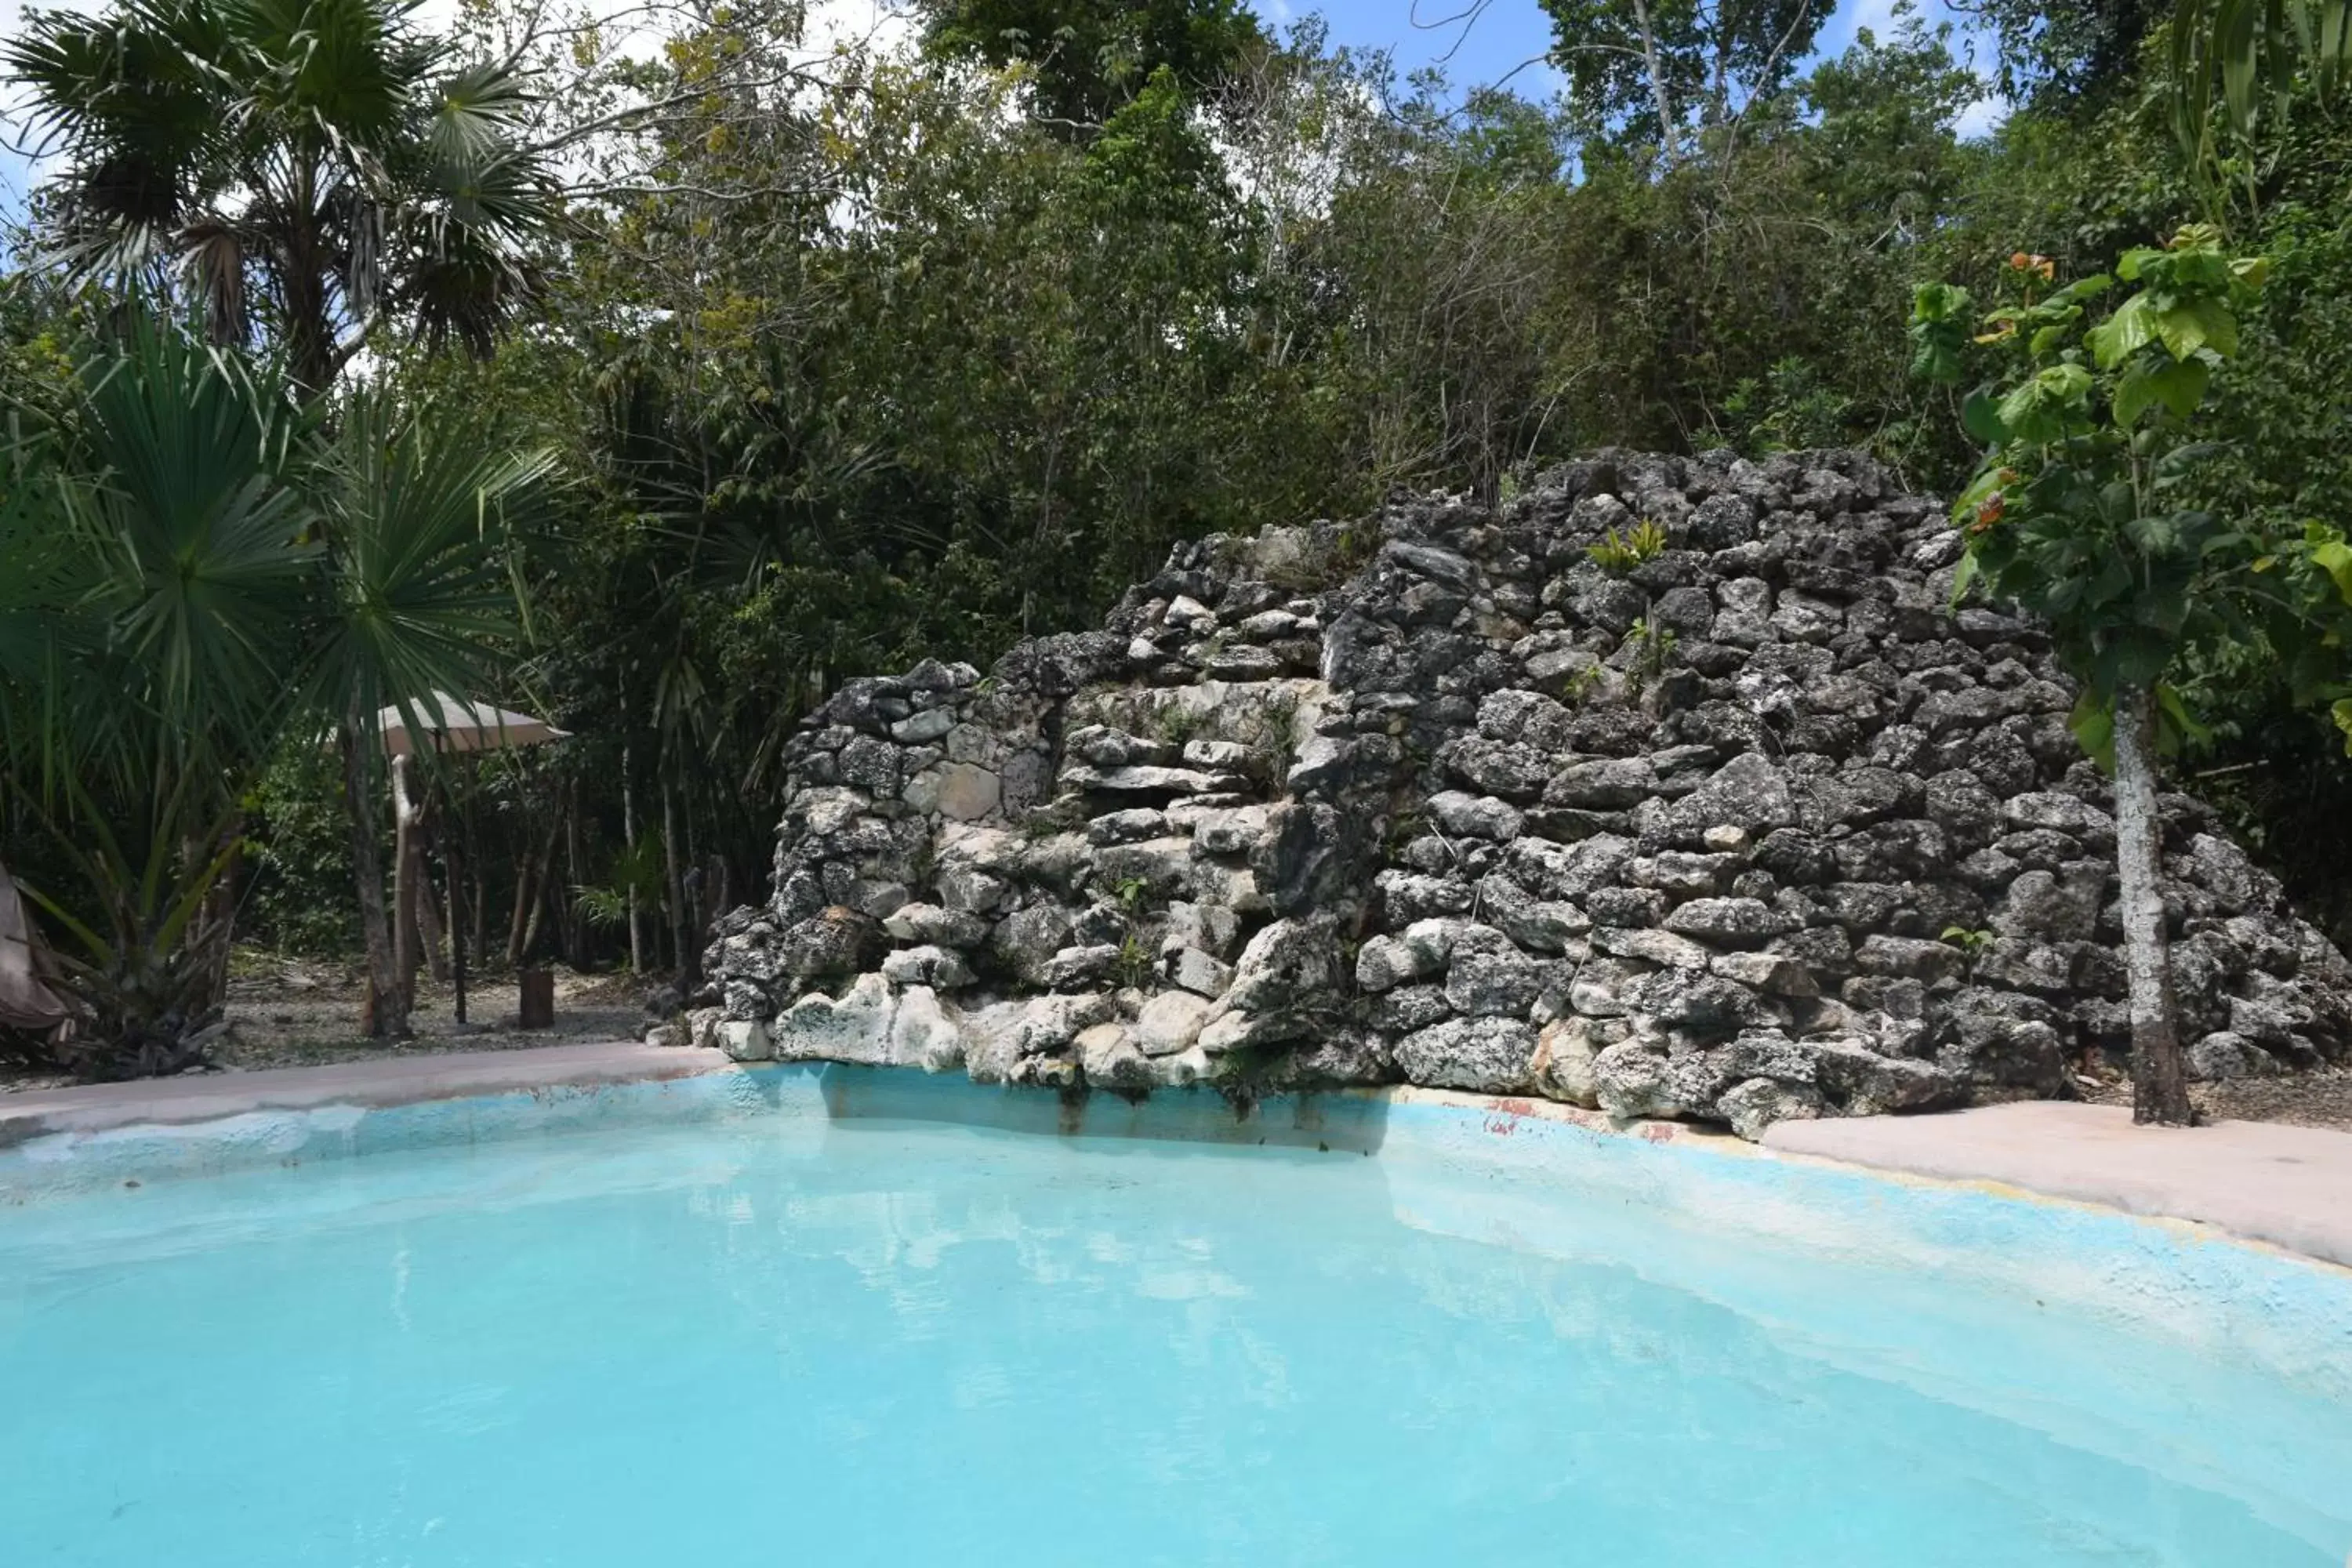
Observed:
{"x":1757,"y":826}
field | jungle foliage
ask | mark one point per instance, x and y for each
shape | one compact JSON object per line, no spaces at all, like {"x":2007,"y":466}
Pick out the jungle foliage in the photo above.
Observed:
{"x":845,"y":358}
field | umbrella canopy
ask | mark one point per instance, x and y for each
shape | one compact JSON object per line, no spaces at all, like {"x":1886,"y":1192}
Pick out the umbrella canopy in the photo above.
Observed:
{"x":447,"y":724}
{"x":26,"y":1000}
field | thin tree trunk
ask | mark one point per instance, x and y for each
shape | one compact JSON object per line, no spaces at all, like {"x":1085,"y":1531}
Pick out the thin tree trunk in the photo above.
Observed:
{"x":681,"y":918}
{"x":416,"y":913}
{"x":479,"y":900}
{"x":542,"y":894}
{"x":385,"y":1014}
{"x":526,"y":897}
{"x":2160,"y":1077}
{"x":478,"y":894}
{"x":1669,"y":133}
{"x":220,"y":920}
{"x":568,"y":917}
{"x":430,"y":932}
{"x":407,"y":886}
{"x":629,"y":842}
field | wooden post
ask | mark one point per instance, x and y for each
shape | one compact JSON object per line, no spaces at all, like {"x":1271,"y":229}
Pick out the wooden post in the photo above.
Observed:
{"x":537,"y":992}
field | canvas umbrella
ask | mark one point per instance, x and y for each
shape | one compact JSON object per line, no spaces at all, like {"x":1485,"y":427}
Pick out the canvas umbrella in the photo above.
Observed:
{"x":26,"y":1000}
{"x":446,"y":726}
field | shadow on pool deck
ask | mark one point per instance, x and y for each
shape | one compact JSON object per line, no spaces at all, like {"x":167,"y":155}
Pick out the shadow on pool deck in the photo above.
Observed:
{"x":2285,"y":1185}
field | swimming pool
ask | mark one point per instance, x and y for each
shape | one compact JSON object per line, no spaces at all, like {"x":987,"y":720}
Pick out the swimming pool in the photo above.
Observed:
{"x":843,"y":1322}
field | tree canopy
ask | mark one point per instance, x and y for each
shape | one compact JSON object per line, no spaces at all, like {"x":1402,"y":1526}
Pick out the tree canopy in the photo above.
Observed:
{"x":843,"y":356}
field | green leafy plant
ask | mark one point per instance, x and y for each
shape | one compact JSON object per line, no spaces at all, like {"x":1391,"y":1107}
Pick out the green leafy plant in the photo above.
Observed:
{"x":2082,"y":513}
{"x":1131,"y":892}
{"x":1639,"y":544}
{"x":1577,"y":686}
{"x":1970,"y":940}
{"x":1652,"y":646}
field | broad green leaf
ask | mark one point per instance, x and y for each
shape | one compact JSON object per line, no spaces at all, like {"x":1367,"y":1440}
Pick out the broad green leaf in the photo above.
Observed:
{"x":2170,"y":706}
{"x":2334,"y":558}
{"x":2082,"y":289}
{"x":2179,"y":385}
{"x":1981,"y":418}
{"x":2130,"y":330}
{"x":2036,"y":410}
{"x":2158,"y":535}
{"x":1970,"y":501}
{"x":2093,"y":724}
{"x":1964,"y":576}
{"x":2198,"y":324}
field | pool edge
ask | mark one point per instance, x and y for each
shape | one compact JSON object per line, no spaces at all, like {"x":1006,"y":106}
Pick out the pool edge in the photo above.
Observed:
{"x":209,"y":1122}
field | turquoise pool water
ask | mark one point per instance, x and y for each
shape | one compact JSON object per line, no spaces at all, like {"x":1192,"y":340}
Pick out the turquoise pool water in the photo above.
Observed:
{"x":783,"y":1340}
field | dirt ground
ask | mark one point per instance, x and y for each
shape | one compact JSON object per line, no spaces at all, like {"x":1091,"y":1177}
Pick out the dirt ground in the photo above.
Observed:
{"x":2320,"y":1098}
{"x":294,"y":1012}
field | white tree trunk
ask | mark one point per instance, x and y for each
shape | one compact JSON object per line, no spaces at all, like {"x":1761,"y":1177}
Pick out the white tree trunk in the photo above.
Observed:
{"x":384,"y":1013}
{"x":2160,"y":1076}
{"x":1669,"y":133}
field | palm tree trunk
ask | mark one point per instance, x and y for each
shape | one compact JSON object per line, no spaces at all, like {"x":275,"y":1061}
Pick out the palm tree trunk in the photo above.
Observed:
{"x":2160,"y":1076}
{"x":385,"y":1014}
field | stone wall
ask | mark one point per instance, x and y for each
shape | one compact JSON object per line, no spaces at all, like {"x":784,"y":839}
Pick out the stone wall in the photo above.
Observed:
{"x":1755,"y":827}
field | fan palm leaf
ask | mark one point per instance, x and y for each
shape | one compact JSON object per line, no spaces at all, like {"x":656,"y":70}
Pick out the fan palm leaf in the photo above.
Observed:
{"x":305,"y":167}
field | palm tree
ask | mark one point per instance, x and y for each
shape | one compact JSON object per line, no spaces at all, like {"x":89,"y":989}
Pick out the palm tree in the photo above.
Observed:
{"x":411,"y":509}
{"x":310,"y":163}
{"x":201,"y":574}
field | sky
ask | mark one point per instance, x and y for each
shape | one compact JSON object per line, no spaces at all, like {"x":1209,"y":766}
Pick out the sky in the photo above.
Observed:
{"x":1505,"y":36}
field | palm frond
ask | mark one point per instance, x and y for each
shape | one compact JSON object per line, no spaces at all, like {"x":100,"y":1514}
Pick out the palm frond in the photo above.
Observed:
{"x":205,"y":576}
{"x":416,"y":509}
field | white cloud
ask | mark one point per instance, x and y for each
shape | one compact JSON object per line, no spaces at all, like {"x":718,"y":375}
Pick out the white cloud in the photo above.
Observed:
{"x":882,"y":24}
{"x":1983,"y":117}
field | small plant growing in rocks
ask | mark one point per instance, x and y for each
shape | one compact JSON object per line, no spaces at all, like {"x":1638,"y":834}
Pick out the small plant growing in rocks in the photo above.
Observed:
{"x":1617,"y":553}
{"x":1970,"y":941}
{"x":1652,"y":645}
{"x":1575,"y":687}
{"x":1176,"y":723}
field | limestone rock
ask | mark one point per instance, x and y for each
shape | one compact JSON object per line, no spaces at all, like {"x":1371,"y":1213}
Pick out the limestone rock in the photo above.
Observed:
{"x":1170,"y":1023}
{"x":1490,"y":1056}
{"x":1436,"y":818}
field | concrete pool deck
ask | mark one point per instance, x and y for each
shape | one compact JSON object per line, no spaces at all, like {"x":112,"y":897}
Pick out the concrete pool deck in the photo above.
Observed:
{"x":2264,"y":1181}
{"x":375,"y":1082}
{"x":2283,"y":1185}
